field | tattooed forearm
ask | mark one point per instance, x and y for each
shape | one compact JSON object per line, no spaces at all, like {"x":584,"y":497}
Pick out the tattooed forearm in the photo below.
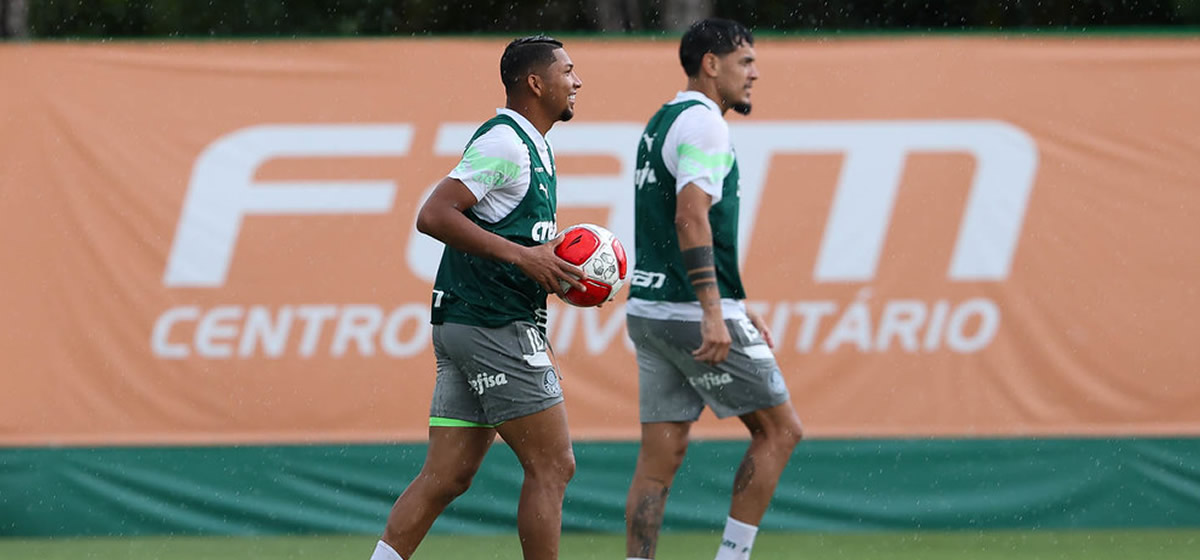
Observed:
{"x":745,"y":474}
{"x":700,"y":266}
{"x":645,"y":523}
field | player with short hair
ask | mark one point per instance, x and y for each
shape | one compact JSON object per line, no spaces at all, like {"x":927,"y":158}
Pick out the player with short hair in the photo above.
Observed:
{"x":495,"y":212}
{"x":697,"y":344}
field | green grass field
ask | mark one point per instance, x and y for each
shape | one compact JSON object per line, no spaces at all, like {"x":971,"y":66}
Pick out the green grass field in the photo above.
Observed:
{"x":965,"y":545}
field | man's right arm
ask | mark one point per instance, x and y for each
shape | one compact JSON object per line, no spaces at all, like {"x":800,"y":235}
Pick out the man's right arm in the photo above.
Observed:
{"x":696,"y":245}
{"x":442,"y":218}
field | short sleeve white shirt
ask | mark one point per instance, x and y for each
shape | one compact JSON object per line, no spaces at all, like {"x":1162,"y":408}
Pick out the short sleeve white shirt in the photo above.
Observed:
{"x":495,"y":167}
{"x":697,"y":149}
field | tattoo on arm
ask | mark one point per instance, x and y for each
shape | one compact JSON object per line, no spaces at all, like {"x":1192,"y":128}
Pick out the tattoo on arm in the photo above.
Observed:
{"x":646,"y":522}
{"x":700,"y":265}
{"x":744,"y":476}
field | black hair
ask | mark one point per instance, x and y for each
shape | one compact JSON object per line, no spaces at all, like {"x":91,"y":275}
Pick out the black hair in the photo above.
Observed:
{"x":712,"y":35}
{"x":524,"y":56}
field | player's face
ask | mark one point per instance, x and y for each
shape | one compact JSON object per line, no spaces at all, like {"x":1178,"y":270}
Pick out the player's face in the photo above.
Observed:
{"x":562,"y":84}
{"x":736,"y":74}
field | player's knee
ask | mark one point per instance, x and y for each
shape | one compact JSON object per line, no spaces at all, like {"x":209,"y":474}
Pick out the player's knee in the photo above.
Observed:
{"x":661,"y":463}
{"x":793,"y":434}
{"x":445,"y":487}
{"x":566,"y":466}
{"x":786,"y":434}
{"x":783,"y":435}
{"x":663,"y":452}
{"x":458,"y":485}
{"x":672,"y":455}
{"x":554,"y":470}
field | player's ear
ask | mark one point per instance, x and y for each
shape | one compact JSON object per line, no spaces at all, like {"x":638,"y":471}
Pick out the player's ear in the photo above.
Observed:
{"x":536,"y":85}
{"x":708,"y":64}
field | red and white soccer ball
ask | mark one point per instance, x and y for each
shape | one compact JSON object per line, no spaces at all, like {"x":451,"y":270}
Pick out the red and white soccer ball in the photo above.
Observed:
{"x":600,"y":254}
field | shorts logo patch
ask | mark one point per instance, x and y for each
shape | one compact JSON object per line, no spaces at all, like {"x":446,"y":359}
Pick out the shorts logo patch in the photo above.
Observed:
{"x":483,"y":382}
{"x":776,"y":382}
{"x":710,"y":380}
{"x":550,"y":383}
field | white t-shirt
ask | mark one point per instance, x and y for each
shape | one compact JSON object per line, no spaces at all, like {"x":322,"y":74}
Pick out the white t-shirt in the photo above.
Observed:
{"x":696,"y":150}
{"x":496,"y":167}
{"x":697,"y":147}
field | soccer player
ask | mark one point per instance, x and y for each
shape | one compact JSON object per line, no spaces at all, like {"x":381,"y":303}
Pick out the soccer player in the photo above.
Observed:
{"x":495,"y":212}
{"x":697,"y":345}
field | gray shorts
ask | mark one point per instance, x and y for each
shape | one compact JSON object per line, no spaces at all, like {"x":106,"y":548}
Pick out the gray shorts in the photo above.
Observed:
{"x":488,"y":376}
{"x":674,"y":387}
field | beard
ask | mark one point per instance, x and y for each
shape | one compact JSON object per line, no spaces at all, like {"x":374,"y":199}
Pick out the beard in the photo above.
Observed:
{"x":741,"y":108}
{"x":566,"y":114}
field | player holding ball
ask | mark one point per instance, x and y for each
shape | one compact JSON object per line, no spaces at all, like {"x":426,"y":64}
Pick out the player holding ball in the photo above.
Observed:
{"x":496,"y":214}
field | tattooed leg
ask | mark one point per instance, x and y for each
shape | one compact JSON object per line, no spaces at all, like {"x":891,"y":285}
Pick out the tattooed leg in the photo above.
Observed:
{"x":744,"y":476}
{"x":645,"y":521}
{"x":663,"y":447}
{"x":774,"y":433}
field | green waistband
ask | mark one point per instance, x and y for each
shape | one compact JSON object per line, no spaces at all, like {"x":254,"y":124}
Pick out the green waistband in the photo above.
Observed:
{"x":456,"y":423}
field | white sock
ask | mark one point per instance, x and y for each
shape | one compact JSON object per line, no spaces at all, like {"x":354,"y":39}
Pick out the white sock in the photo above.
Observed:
{"x":385,"y":552}
{"x":737,"y":540}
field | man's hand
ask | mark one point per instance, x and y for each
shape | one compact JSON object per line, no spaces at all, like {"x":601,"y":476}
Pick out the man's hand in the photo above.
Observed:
{"x":547,"y":269}
{"x":761,"y":325}
{"x":715,"y":339}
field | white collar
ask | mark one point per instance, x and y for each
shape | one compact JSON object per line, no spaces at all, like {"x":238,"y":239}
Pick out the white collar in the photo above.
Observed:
{"x":525,"y":125}
{"x":695,"y":96}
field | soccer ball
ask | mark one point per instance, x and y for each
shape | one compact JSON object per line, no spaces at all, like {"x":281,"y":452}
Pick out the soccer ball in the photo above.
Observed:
{"x":600,"y":254}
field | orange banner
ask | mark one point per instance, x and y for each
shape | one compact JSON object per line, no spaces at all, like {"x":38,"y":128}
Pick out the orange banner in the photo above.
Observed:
{"x":214,"y":242}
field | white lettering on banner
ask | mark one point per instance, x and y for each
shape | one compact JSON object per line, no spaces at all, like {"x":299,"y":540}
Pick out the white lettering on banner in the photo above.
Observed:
{"x":853,"y":327}
{"x":217,"y":325}
{"x":989,"y":322}
{"x":902,"y":319}
{"x":314,"y":320}
{"x":1006,"y":161}
{"x":222,"y":192}
{"x":357,"y":323}
{"x":222,"y":189}
{"x":936,"y":325}
{"x":260,"y":331}
{"x":415,"y":314}
{"x":160,"y":336}
{"x":813,"y":312}
{"x":912,"y":325}
{"x":875,"y":153}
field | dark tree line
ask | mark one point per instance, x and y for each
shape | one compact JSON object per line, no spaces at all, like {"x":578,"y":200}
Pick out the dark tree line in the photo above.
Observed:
{"x":288,"y":18}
